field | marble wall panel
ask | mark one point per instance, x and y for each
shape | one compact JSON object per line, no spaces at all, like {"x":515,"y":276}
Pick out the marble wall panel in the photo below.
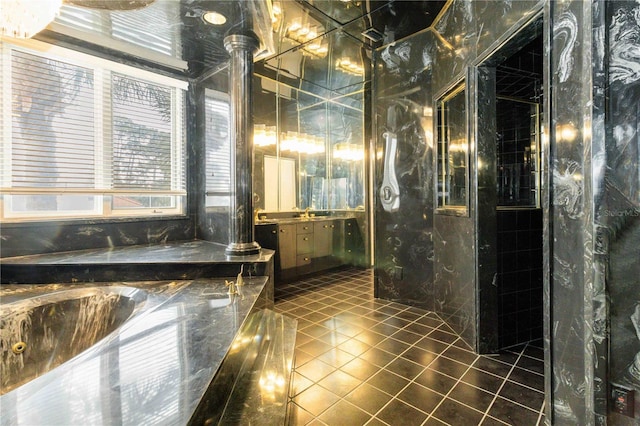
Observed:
{"x":618,"y":213}
{"x":578,"y":301}
{"x":445,"y":51}
{"x":454,"y":274}
{"x":403,"y":236}
{"x":567,"y":214}
{"x":486,"y":202}
{"x":457,"y":41}
{"x":36,"y":238}
{"x":511,"y":15}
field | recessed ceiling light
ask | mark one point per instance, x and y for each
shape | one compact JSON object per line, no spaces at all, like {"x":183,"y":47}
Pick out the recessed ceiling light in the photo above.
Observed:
{"x":214,"y":18}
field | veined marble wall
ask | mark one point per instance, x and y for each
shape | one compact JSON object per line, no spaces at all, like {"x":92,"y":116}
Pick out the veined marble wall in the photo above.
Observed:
{"x":617,"y":210}
{"x":402,"y":107}
{"x":423,"y":257}
{"x":591,"y":184}
{"x":593,"y":216}
{"x":469,"y":33}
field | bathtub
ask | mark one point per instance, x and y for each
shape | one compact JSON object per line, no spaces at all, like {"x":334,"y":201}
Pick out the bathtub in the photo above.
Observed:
{"x":115,"y":353}
{"x":41,"y":332}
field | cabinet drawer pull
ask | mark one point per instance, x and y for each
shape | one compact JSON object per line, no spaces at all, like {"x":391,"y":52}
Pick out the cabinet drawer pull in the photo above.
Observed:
{"x":348,"y":251}
{"x":282,"y":230}
{"x":348,"y":233}
{"x":306,"y":238}
{"x":325,"y":226}
{"x":274,"y":232}
{"x":306,"y":259}
{"x":305,"y":227}
{"x":333,"y":226}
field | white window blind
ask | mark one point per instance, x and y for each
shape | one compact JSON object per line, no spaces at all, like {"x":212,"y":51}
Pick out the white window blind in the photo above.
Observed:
{"x":84,"y":140}
{"x":218,"y":150}
{"x":52,"y":126}
{"x":150,"y":28}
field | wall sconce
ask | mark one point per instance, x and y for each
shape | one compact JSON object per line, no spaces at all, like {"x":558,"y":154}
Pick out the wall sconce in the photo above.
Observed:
{"x":350,"y":66}
{"x":24,"y":19}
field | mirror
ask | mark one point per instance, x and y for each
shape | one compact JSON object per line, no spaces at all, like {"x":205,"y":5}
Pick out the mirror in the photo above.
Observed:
{"x":308,"y":115}
{"x":309,"y":151}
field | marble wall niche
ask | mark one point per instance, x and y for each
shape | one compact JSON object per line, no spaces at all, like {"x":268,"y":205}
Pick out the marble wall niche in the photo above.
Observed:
{"x":403,"y":233}
{"x":618,"y":211}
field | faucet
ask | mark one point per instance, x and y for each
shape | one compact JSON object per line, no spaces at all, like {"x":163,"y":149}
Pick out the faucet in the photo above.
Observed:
{"x":305,"y":214}
{"x":234,"y":286}
{"x":256,"y":215}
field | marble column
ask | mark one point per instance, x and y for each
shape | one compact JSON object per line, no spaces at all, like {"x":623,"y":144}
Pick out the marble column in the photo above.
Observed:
{"x":241,"y":47}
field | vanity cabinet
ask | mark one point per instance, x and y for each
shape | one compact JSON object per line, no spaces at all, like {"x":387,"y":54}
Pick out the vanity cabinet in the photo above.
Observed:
{"x":323,"y":232}
{"x":308,"y":246}
{"x":287,"y":243}
{"x":353,"y":243}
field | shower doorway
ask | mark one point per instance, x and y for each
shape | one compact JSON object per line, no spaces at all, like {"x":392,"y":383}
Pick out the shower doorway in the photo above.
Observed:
{"x":509,"y":218}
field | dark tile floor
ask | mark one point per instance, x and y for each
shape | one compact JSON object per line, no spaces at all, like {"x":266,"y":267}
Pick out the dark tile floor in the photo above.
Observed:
{"x":361,"y":360}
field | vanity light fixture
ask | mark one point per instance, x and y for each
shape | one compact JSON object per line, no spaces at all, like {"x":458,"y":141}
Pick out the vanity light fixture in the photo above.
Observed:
{"x":302,"y":143}
{"x":350,"y":66}
{"x":348,"y":151}
{"x":214,"y":18}
{"x":303,"y":34}
{"x":24,"y":19}
{"x":264,"y":135}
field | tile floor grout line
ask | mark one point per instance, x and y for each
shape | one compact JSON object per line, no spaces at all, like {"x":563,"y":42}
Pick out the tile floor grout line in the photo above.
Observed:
{"x":364,"y":302}
{"x":506,"y":378}
{"x":459,"y":380}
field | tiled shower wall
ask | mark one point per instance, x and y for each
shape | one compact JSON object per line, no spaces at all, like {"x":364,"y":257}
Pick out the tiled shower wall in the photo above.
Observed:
{"x":516,"y":162}
{"x":519,"y":276}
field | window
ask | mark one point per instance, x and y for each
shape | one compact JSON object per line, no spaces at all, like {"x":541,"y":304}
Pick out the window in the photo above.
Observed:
{"x":218,"y":149}
{"x":453,"y":151}
{"x":147,"y":33}
{"x":85,"y":137}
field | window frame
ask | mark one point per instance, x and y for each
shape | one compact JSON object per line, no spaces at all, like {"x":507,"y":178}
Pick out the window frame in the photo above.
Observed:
{"x":104,"y":196}
{"x":443,"y":174}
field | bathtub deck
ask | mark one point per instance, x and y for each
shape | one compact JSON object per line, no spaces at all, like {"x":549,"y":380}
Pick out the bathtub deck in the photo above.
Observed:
{"x":158,"y":367}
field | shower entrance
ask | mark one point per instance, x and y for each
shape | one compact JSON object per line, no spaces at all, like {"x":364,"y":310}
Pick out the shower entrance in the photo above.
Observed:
{"x":509,"y":220}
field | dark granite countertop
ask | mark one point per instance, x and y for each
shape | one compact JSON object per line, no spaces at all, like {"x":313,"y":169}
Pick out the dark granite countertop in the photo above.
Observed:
{"x":181,"y":260}
{"x":154,"y":369}
{"x":196,"y":251}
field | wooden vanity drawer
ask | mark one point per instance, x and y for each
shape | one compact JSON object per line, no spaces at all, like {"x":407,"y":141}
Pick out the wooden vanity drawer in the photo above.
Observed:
{"x":304,"y":228}
{"x":303,"y":259}
{"x":304,"y":243}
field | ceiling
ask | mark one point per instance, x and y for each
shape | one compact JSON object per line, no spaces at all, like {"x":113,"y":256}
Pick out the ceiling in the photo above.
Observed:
{"x":171,"y":34}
